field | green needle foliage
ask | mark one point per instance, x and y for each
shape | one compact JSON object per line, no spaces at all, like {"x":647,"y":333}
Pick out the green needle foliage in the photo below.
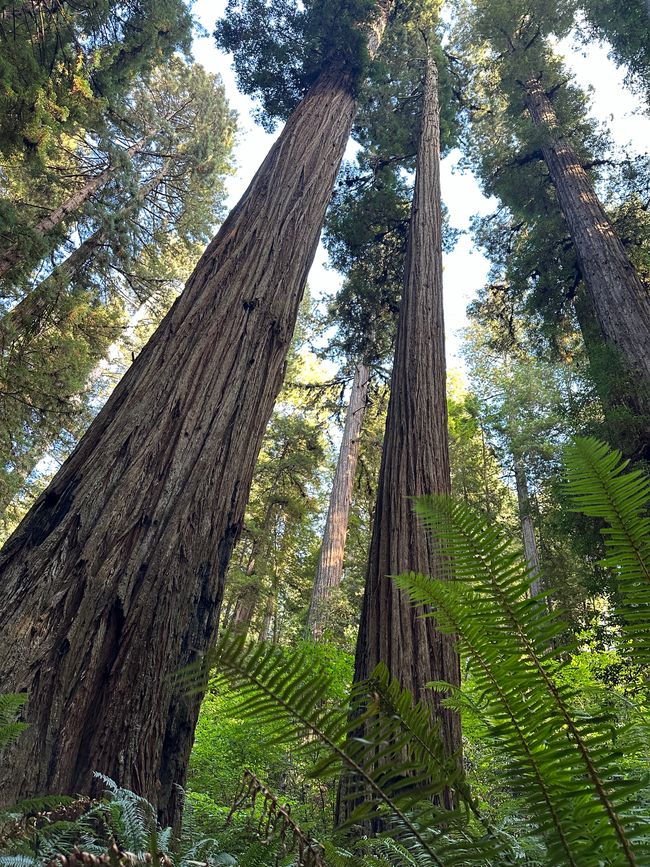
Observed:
{"x":567,"y":763}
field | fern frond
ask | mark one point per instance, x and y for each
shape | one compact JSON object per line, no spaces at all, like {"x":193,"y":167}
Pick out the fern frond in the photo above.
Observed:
{"x":390,"y":776}
{"x":11,"y":704}
{"x":567,"y":764}
{"x":602,"y":486}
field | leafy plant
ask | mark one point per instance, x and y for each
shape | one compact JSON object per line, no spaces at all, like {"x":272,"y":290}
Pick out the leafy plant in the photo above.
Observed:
{"x":565,"y":762}
{"x":11,"y":703}
{"x":119,"y":829}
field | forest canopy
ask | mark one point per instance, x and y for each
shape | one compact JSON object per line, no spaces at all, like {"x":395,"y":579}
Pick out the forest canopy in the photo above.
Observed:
{"x":294,"y":570}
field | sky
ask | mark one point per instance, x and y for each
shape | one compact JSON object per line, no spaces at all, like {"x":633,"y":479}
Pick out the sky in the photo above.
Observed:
{"x":465,"y":269}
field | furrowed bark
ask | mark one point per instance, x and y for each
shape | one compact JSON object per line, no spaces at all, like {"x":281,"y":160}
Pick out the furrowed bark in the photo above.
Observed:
{"x":627,"y":423}
{"x":329,"y":571}
{"x":620,"y":301}
{"x":115,"y":578}
{"x":415,"y":458}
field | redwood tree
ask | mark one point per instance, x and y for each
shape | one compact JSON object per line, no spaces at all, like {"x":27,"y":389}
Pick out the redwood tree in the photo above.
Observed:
{"x":532,"y":131}
{"x":415,"y":457}
{"x":329,"y":571}
{"x":115,"y":577}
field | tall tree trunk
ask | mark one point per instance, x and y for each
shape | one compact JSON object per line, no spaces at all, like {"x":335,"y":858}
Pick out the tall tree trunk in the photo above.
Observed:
{"x":527,"y":526}
{"x":245,"y":607}
{"x":268,"y":630}
{"x":33,"y":6}
{"x":13,"y":254}
{"x":415,"y":459}
{"x":620,"y":301}
{"x":115,"y":577}
{"x":330,"y":562}
{"x":627,"y":425}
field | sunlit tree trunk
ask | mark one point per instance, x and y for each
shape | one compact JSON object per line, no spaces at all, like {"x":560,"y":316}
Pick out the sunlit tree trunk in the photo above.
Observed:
{"x":620,"y":301}
{"x":17,"y":322}
{"x":329,"y":571}
{"x":415,"y":458}
{"x":531,"y":552}
{"x":115,"y":577}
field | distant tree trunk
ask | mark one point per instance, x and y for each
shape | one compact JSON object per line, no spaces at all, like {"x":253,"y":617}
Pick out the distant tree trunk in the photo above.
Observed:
{"x":527,"y":526}
{"x":115,"y":577}
{"x":28,"y":313}
{"x":12,"y":255}
{"x":269,"y":623}
{"x":245,"y":607}
{"x":620,"y":301}
{"x":48,"y":6}
{"x":330,"y":562}
{"x":415,"y":458}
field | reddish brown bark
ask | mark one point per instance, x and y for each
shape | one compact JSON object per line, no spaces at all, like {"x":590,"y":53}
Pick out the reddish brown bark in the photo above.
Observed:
{"x":620,"y":301}
{"x":415,"y":458}
{"x":329,"y":571}
{"x":115,"y":577}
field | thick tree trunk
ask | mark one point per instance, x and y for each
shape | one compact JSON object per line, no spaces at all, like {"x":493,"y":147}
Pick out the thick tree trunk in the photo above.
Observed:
{"x":12,"y":256}
{"x":620,"y":301}
{"x":330,"y":563}
{"x":527,"y":526}
{"x":115,"y":577}
{"x":627,"y":424}
{"x":415,"y":458}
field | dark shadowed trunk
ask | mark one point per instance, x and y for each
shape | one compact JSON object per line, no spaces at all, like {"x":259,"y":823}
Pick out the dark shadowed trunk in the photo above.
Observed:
{"x":415,"y":458}
{"x":527,"y":526}
{"x":115,"y":577}
{"x":627,"y":425}
{"x":620,"y":301}
{"x":330,"y":562}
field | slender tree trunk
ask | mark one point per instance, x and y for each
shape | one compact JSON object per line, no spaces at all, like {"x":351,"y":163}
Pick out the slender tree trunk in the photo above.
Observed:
{"x":415,"y":458}
{"x":13,"y":255}
{"x":115,"y":577}
{"x":330,"y":563}
{"x":527,"y":526}
{"x":620,"y":301}
{"x":48,"y":6}
{"x":27,"y":315}
{"x":269,"y":623}
{"x":245,"y":607}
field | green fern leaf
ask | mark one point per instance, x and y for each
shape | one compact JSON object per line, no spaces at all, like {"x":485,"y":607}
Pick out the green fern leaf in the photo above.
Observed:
{"x":602,"y":486}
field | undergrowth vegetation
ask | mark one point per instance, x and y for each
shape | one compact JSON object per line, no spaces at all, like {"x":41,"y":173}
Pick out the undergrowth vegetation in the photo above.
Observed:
{"x":554,"y":764}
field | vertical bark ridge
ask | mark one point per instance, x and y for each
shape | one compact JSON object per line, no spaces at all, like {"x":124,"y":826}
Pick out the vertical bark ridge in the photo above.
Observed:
{"x":620,"y":301}
{"x":415,"y":458}
{"x":329,"y":571}
{"x":115,"y":577}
